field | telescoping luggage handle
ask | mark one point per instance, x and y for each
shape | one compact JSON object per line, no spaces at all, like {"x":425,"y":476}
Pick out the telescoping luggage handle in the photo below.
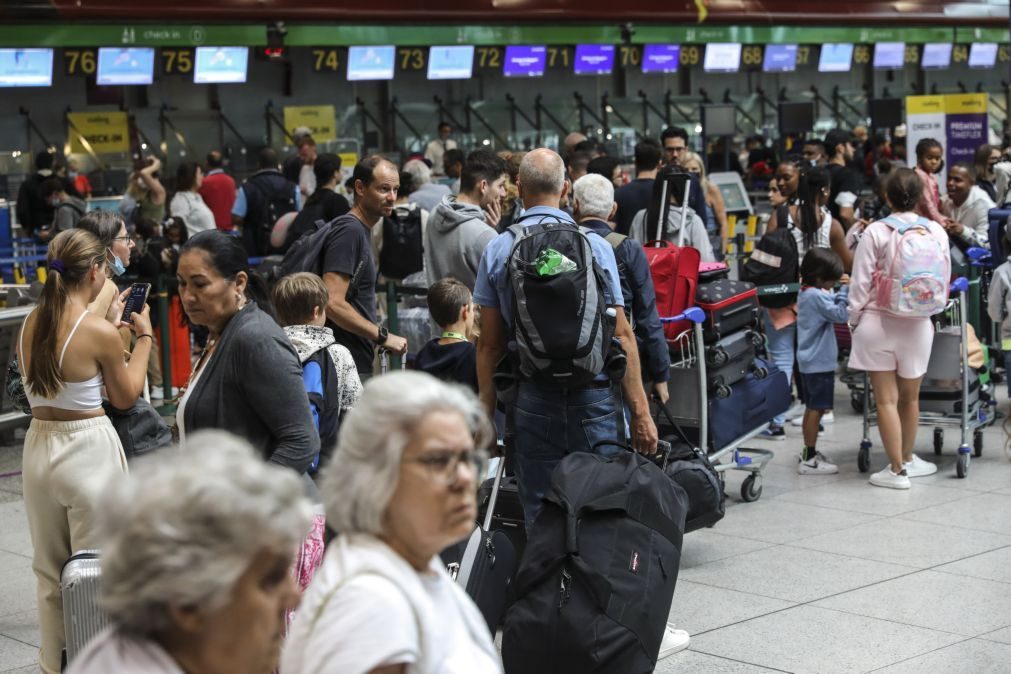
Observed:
{"x":664,"y":207}
{"x":384,"y":361}
{"x":499,"y":472}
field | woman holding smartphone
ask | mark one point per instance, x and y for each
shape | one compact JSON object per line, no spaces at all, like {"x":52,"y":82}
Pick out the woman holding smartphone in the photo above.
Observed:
{"x":71,"y":448}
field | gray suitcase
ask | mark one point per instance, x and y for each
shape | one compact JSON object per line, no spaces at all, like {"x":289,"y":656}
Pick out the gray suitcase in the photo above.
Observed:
{"x":80,"y":583}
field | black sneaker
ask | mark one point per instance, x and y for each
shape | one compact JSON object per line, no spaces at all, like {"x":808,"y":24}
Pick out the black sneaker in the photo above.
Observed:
{"x":773,"y":432}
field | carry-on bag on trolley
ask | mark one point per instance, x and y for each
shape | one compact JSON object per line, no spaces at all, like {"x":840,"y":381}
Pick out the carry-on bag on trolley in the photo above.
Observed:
{"x":729,"y":305}
{"x":752,"y":403}
{"x":487,"y":563}
{"x":731,"y":359}
{"x":713,"y":271}
{"x":80,"y":584}
{"x":941,"y":390}
{"x":594,"y":589}
{"x":673,"y":267}
{"x":998,"y":218}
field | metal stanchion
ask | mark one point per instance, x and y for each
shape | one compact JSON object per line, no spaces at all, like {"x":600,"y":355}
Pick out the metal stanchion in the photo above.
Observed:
{"x":166,"y":342}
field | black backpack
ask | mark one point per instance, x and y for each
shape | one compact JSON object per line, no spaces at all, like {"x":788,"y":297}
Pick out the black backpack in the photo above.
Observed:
{"x":594,"y":588}
{"x":271,"y":197}
{"x":690,"y":467}
{"x":329,"y":404}
{"x":403,"y":251}
{"x":306,"y":253}
{"x":561,"y":328}
{"x":775,"y":261}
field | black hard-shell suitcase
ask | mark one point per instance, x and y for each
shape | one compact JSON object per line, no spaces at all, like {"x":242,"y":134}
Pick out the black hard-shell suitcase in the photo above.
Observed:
{"x":80,"y":584}
{"x":729,"y":306}
{"x":487,"y":564}
{"x":731,"y":359}
{"x":508,"y":515}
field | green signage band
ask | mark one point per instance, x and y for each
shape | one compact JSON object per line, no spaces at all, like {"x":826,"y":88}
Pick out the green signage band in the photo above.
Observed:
{"x":341,"y":35}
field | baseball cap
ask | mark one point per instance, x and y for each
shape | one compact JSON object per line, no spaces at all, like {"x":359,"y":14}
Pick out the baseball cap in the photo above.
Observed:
{"x":838,"y":137}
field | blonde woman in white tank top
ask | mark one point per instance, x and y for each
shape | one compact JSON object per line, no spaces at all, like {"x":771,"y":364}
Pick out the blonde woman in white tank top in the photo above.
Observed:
{"x":71,"y":450}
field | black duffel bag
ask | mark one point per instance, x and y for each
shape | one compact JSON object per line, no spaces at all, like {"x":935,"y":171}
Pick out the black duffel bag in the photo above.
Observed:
{"x":690,"y":467}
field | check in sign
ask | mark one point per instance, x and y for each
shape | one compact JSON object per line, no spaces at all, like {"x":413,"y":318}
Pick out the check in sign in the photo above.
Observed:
{"x":321,"y":120}
{"x":102,"y":132}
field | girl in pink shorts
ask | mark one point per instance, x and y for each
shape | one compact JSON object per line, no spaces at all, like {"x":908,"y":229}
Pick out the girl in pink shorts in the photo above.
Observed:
{"x":892,"y":348}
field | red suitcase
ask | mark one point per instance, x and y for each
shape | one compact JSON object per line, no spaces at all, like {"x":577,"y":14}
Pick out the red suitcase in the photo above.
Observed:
{"x":675,"y":272}
{"x":729,"y":305}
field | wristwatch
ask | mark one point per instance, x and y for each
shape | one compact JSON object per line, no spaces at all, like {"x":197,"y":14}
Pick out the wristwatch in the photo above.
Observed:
{"x":383,"y":334}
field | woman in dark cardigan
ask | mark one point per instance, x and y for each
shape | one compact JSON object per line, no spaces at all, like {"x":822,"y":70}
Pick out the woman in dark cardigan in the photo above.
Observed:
{"x":248,"y":380}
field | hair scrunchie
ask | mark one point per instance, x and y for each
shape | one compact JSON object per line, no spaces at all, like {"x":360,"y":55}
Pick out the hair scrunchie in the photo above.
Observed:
{"x":56,"y":265}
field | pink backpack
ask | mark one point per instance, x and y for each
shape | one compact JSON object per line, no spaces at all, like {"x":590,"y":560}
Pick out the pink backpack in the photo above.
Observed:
{"x":915,"y":281}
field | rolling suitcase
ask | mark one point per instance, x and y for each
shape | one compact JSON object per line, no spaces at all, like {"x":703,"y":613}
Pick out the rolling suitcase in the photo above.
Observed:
{"x":488,"y":562}
{"x":752,"y":404}
{"x":80,"y":583}
{"x":731,"y":359}
{"x":508,"y":514}
{"x":729,"y":305}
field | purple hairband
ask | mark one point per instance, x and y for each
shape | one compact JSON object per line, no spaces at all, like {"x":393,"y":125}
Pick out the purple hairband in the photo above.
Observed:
{"x":56,"y":265}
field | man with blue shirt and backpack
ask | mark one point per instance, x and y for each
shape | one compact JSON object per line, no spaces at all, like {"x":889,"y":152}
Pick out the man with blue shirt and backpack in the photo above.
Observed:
{"x":551,"y":304}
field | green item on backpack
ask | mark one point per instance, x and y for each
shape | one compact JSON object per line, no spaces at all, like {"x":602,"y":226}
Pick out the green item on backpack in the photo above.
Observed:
{"x":550,"y":262}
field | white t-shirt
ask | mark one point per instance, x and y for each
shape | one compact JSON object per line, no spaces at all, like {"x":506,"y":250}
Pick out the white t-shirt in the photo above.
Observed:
{"x":191,"y":208}
{"x":822,"y":237}
{"x":385,"y":613}
{"x":307,"y":180}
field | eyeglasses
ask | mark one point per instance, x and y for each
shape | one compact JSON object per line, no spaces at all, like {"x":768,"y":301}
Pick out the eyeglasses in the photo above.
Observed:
{"x":443,"y":467}
{"x":128,"y":239}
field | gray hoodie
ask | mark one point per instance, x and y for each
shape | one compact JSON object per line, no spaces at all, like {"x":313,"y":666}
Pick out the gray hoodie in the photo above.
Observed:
{"x":68,"y":214}
{"x":696,"y":235}
{"x":456,"y":237}
{"x":998,"y":303}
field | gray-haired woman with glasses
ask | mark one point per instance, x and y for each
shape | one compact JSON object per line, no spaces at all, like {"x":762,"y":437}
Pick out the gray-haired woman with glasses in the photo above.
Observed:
{"x":400,"y":488}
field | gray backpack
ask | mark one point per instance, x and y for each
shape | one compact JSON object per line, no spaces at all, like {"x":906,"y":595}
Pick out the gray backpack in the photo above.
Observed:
{"x":561,"y":328}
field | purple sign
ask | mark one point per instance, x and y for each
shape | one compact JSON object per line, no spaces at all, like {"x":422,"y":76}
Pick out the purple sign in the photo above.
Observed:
{"x":524,"y":61}
{"x":965,"y":133}
{"x":661,"y":58}
{"x":594,"y":59}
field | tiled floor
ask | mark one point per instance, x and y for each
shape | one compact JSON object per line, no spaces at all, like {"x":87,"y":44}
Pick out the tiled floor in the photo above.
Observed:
{"x":823,"y":574}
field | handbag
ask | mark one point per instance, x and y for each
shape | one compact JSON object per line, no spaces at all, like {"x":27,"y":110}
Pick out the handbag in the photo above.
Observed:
{"x":16,"y":387}
{"x":140,"y":428}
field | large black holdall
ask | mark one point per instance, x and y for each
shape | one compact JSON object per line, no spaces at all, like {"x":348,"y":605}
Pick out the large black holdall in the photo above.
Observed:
{"x":594,"y":588}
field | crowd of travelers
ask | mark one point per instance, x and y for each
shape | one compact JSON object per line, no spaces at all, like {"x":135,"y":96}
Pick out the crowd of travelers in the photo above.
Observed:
{"x":287,"y":443}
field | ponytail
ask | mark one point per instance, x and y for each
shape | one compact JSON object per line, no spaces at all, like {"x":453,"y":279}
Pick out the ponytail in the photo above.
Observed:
{"x":811,"y":182}
{"x":70,"y":258}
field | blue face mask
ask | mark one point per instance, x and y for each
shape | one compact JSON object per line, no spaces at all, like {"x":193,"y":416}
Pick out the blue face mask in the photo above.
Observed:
{"x":117,"y":265}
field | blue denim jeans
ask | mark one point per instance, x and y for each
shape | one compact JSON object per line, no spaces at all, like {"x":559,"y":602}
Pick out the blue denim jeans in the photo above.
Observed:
{"x":551,"y":423}
{"x":782,"y":347}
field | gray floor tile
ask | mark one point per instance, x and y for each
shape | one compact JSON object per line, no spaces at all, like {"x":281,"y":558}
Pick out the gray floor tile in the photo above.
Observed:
{"x":14,"y":529}
{"x":985,"y":512}
{"x":17,"y":584}
{"x":994,"y":565}
{"x":974,"y":656}
{"x":1002,"y":635}
{"x":12,"y":484}
{"x":856,"y":495}
{"x":792,"y":574}
{"x":706,"y":545}
{"x":10,"y":458}
{"x":972,"y":606}
{"x":30,"y":669}
{"x":779,"y":520}
{"x":906,"y":542}
{"x":692,"y":662}
{"x":989,"y":473}
{"x":14,"y":654}
{"x":808,"y":639}
{"x":700,"y":608}
{"x":23,"y":627}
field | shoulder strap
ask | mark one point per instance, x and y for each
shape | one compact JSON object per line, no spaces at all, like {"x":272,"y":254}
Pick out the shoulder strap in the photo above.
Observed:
{"x":71,"y":336}
{"x":615,"y":239}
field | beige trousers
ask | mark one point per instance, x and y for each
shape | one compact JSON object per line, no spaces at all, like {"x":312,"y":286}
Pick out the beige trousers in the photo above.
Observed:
{"x":67,"y":464}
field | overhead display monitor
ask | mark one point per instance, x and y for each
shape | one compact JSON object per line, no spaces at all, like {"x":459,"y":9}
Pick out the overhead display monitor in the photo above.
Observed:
{"x":594,"y":59}
{"x":221,"y":65}
{"x":889,"y":55}
{"x":936,"y":56}
{"x":780,"y":58}
{"x":26,"y":67}
{"x":661,"y":58}
{"x":835,"y":58}
{"x":983,"y":55}
{"x":525,"y":61}
{"x":451,"y":63}
{"x":722,"y":57}
{"x":371,"y":63}
{"x":129,"y":65}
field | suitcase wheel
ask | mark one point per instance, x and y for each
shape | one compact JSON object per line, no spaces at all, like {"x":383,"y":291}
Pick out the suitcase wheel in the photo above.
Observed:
{"x":757,"y":338}
{"x":760,"y":372}
{"x":718,"y":356}
{"x":723,"y":391}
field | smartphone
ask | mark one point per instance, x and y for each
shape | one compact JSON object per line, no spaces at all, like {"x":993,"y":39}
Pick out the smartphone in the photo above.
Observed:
{"x":135,"y":300}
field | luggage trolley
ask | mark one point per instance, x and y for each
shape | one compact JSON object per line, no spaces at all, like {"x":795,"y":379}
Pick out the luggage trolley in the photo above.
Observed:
{"x":955,"y":397}
{"x":688,"y":375}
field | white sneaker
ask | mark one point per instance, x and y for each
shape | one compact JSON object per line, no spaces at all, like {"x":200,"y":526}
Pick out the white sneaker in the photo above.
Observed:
{"x":886,"y":478}
{"x":827,"y":418}
{"x":796,"y":411}
{"x":919,"y":468}
{"x":674,"y":640}
{"x":157,"y":393}
{"x":817,"y":465}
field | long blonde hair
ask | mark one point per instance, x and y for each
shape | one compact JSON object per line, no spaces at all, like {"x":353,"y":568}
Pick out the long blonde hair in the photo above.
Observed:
{"x":70,"y":258}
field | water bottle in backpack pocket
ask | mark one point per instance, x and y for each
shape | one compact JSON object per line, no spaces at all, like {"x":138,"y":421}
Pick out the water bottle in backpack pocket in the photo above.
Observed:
{"x":915,"y":280}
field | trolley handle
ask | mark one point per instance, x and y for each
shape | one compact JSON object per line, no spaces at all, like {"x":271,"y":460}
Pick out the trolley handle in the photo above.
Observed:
{"x":693,"y":314}
{"x":979,"y":257}
{"x":959,"y":285}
